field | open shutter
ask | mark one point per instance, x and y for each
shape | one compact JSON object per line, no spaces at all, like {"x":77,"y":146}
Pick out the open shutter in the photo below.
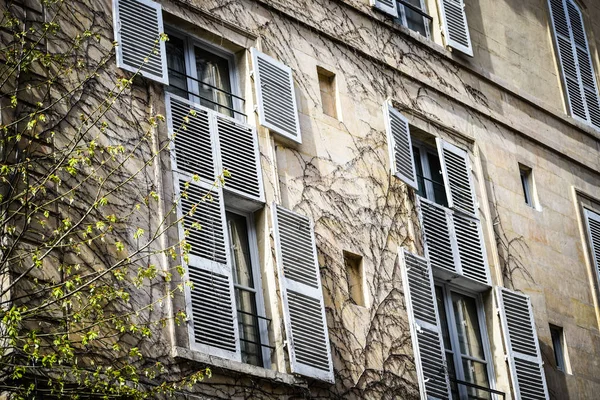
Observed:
{"x":428,"y":346}
{"x":387,"y":6}
{"x":593,"y":229}
{"x":438,"y":236}
{"x":457,"y":177}
{"x":471,"y":250}
{"x":275,"y":96}
{"x":138,"y":25}
{"x":213,"y":327}
{"x":238,"y":146}
{"x":575,"y":61}
{"x":456,"y":29}
{"x":521,"y":344}
{"x":584,"y":59}
{"x":567,"y":58}
{"x":399,"y":145}
{"x":302,"y":295}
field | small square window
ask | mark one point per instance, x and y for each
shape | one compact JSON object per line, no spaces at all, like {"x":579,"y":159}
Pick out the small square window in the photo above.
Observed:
{"x":527,"y":183}
{"x":354,"y":276}
{"x":558,"y":343}
{"x":328,"y":93}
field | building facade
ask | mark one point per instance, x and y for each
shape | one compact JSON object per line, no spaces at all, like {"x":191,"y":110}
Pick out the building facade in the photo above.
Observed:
{"x":411,"y":207}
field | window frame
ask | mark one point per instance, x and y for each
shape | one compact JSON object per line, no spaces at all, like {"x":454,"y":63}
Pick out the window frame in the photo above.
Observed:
{"x":257,"y":281}
{"x":525,"y":175}
{"x":191,"y":41}
{"x":557,"y":334}
{"x":447,"y":290}
{"x":404,"y":22}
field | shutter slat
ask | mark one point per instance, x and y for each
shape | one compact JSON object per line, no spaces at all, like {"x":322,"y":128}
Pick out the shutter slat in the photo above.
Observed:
{"x":457,"y":177}
{"x":302,"y":295}
{"x":275,"y":96}
{"x":430,"y":357}
{"x":399,"y":145}
{"x":521,"y":344}
{"x":192,"y":138}
{"x":137,"y":27}
{"x":456,"y":29}
{"x":471,"y":250}
{"x":240,"y":156}
{"x":438,"y":241}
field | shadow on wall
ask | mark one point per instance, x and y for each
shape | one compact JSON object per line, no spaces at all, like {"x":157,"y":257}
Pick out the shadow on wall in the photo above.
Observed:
{"x":555,"y":379}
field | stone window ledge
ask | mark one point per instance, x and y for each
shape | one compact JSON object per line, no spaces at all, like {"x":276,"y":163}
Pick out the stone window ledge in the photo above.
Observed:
{"x":215,"y":362}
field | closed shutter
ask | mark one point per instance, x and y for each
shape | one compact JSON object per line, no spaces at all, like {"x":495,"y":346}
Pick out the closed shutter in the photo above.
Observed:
{"x":399,"y":145}
{"x":387,"y":6}
{"x":593,"y":229}
{"x":195,"y":150}
{"x":238,"y":147}
{"x":438,"y":236}
{"x":586,"y":71}
{"x":471,"y":250}
{"x":302,"y":295}
{"x":456,"y":29}
{"x":430,"y":358}
{"x":575,"y":61}
{"x":138,"y":25}
{"x":213,"y":328}
{"x":275,"y":96}
{"x":521,"y":345}
{"x":457,"y":177}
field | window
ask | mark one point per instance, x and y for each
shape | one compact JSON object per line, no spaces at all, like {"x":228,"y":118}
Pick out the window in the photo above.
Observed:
{"x":465,"y":342}
{"x":527,"y":184}
{"x":248,"y":295}
{"x":557,"y":342}
{"x":203,"y":74}
{"x":354,"y":277}
{"x":413,"y":15}
{"x":575,"y":59}
{"x":328,"y":92}
{"x":430,"y":179}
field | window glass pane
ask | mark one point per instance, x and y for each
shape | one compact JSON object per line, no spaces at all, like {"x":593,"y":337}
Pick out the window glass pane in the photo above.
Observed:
{"x":439,"y":296}
{"x":419,"y":167}
{"x":245,"y":299}
{"x":240,"y":250}
{"x":214,"y":81}
{"x":467,"y":326}
{"x":439,"y":191}
{"x":248,"y":327}
{"x":176,"y":65}
{"x":414,"y":20}
{"x":476,"y":373}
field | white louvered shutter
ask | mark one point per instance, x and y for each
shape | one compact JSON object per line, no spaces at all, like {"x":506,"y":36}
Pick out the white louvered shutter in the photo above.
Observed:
{"x":593,"y":229}
{"x":457,"y":177}
{"x":471,"y":250}
{"x":521,"y":345}
{"x":438,"y":236}
{"x":213,"y":326}
{"x":137,"y":26}
{"x":238,"y":148}
{"x":300,"y":283}
{"x":275,"y":96}
{"x":575,"y":61}
{"x":387,"y":6}
{"x":430,"y":357}
{"x":455,"y":27}
{"x":399,"y":145}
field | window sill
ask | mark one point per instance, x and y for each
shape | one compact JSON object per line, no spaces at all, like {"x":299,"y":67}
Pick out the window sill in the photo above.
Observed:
{"x":246,"y":369}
